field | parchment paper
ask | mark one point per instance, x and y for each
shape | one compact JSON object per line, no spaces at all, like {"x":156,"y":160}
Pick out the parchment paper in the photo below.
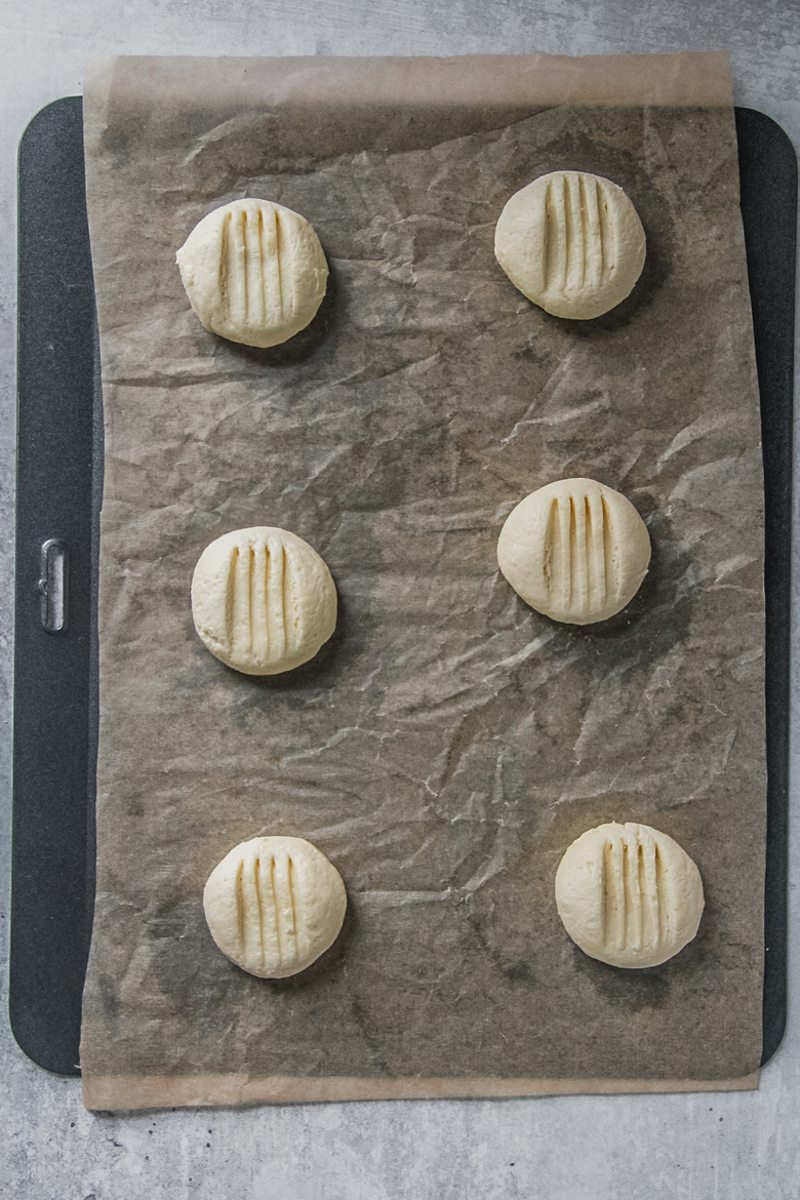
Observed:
{"x":449,"y":743}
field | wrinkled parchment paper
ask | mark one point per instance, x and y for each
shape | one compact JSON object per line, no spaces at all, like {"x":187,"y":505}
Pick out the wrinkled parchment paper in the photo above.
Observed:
{"x":449,"y":743}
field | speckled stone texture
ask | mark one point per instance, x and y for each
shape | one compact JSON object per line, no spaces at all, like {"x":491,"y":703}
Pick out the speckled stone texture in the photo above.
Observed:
{"x":735,"y":1146}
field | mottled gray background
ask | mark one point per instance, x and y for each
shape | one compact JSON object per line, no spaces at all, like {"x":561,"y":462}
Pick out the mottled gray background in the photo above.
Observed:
{"x":566,"y":1149}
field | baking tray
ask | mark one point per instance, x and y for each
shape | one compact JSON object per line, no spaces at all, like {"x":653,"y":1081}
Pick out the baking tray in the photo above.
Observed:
{"x":59,"y":489}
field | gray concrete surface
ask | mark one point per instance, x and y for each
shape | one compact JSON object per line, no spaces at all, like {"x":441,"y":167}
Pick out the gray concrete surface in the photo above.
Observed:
{"x":735,"y":1147}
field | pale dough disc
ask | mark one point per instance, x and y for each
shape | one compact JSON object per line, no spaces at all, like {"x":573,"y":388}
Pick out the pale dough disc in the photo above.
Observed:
{"x":572,"y":243}
{"x":629,"y":895}
{"x":263,"y":600}
{"x":575,"y":550}
{"x":254,"y":272}
{"x":274,"y":905}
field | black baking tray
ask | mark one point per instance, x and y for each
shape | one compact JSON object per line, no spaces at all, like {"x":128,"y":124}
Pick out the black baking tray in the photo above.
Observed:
{"x":59,"y":487}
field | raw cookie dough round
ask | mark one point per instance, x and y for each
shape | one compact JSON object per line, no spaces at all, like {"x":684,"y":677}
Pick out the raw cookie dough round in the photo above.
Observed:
{"x":575,"y":550}
{"x":629,"y":895}
{"x":274,"y":905}
{"x":254,"y":272}
{"x":263,"y":600}
{"x":572,"y":243}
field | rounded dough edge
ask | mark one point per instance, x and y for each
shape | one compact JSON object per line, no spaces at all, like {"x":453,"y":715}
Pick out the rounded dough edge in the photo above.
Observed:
{"x":264,"y":922}
{"x":224,"y":622}
{"x":235,"y":298}
{"x":607,"y":528}
{"x":592,"y":892}
{"x":532,"y":222}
